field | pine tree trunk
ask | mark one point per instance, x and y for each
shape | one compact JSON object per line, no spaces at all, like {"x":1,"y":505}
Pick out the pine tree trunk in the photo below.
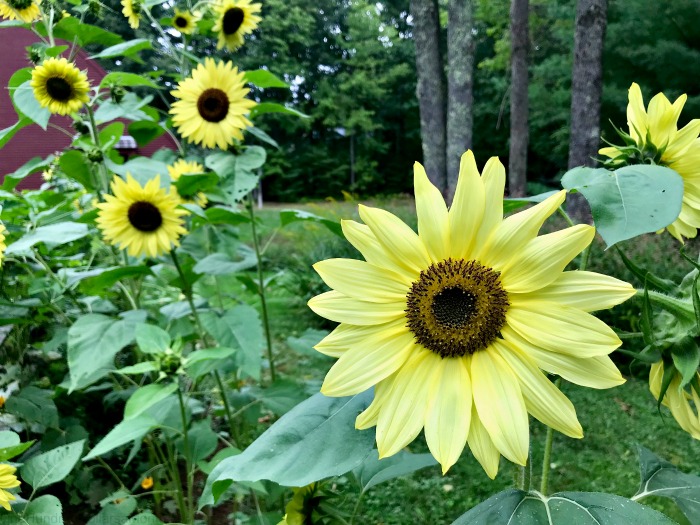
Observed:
{"x":520,"y":42}
{"x":430,"y":89}
{"x":460,"y":82}
{"x":586,"y":93}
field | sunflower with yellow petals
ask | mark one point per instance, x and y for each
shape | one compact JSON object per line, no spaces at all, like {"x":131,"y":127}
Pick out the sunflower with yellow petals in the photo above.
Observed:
{"x":455,"y":325}
{"x":3,"y":246}
{"x":678,"y":399}
{"x":8,"y":480}
{"x":655,"y":132}
{"x":212,"y":107}
{"x":25,"y":10}
{"x":144,"y":220}
{"x":131,"y":9}
{"x":60,"y":86}
{"x":183,"y":167}
{"x":235,"y":18}
{"x":185,"y":22}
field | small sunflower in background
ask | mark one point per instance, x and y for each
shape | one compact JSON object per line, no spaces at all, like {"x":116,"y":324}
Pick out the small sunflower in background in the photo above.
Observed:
{"x":678,"y":399}
{"x":454,"y":325}
{"x":147,"y":483}
{"x":184,"y":21}
{"x":60,"y":86}
{"x":183,"y":167}
{"x":3,"y":247}
{"x":8,"y":480}
{"x":235,"y":18}
{"x":654,"y":138}
{"x":25,"y":10}
{"x":144,"y":220}
{"x":132,"y":11}
{"x":212,"y":106}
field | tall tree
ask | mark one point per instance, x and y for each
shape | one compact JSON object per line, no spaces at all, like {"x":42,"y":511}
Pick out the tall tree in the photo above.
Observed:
{"x":586,"y":92}
{"x":430,"y":89}
{"x":460,"y":86}
{"x":519,"y":133}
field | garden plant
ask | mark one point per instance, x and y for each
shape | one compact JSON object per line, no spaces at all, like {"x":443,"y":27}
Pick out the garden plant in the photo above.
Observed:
{"x":141,"y":381}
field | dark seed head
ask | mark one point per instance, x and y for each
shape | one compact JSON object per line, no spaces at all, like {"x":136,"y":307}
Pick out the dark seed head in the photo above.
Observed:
{"x":180,"y":21}
{"x":213,"y":105}
{"x":145,"y":216}
{"x":233,"y":19}
{"x":59,"y":89}
{"x":19,"y":4}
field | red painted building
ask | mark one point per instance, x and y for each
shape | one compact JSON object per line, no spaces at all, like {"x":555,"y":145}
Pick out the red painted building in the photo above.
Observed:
{"x":32,"y":141}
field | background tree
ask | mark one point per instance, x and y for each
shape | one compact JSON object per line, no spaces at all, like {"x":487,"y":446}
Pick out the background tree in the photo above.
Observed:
{"x":519,"y":130}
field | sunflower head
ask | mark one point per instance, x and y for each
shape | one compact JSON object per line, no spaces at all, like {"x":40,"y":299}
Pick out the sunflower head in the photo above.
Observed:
{"x":3,"y":246}
{"x":60,"y":86}
{"x":25,"y":10}
{"x":183,"y":167}
{"x":211,"y":105}
{"x":8,"y":480}
{"x":235,"y":18}
{"x":131,"y":9}
{"x":455,"y":326}
{"x":144,"y":220}
{"x":185,"y":21}
{"x":683,"y":402}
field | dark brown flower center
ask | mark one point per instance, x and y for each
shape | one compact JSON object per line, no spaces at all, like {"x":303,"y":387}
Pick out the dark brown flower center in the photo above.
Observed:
{"x":59,"y":89}
{"x":145,"y":216}
{"x":213,"y":105}
{"x":180,"y":21}
{"x":456,"y":307}
{"x":20,"y":4}
{"x":233,"y":19}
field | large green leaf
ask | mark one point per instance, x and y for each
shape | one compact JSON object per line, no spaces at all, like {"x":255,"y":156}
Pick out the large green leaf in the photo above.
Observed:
{"x":26,"y":102}
{"x":74,"y":164}
{"x":10,"y":445}
{"x":237,"y":172}
{"x":203,"y":362}
{"x":274,"y":107}
{"x":34,"y":405}
{"x":629,"y":201}
{"x":315,"y":440}
{"x":70,"y":27}
{"x":9,"y":132}
{"x":31,"y":166}
{"x":374,"y":471}
{"x":152,"y":339}
{"x":145,"y":518}
{"x":513,"y":506}
{"x":290,"y":216}
{"x":661,"y":478}
{"x":129,"y":108}
{"x":145,"y":397}
{"x":128,"y":48}
{"x":44,"y":509}
{"x":224,"y":264}
{"x":262,"y":78}
{"x":52,"y":235}
{"x":105,"y":280}
{"x":129,"y":430}
{"x":515,"y":203}
{"x":52,"y":466}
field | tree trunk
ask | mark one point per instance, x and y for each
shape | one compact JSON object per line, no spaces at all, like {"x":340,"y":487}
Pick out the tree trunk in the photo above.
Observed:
{"x":460,"y":83}
{"x":586,"y":93}
{"x":430,"y":89}
{"x":520,"y":42}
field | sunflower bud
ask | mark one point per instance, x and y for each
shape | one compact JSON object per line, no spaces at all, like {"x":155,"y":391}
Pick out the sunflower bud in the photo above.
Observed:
{"x":94,"y":7}
{"x":95,"y":155}
{"x":34,"y":55}
{"x":117,"y":93}
{"x":81,"y":127}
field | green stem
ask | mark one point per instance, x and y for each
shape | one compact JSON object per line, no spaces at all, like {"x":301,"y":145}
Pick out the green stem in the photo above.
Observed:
{"x":357,"y":507}
{"x":261,"y":290}
{"x":175,"y":475}
{"x":103,"y":186}
{"x":233,"y":432}
{"x":188,"y":463}
{"x":673,"y":305}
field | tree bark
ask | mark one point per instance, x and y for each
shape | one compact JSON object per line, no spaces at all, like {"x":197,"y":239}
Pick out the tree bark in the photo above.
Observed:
{"x":460,"y":84}
{"x":586,"y":93}
{"x":519,"y":134}
{"x":430,"y":89}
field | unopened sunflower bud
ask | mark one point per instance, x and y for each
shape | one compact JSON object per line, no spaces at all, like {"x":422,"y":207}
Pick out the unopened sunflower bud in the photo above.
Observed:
{"x":117,"y":93}
{"x":95,"y":155}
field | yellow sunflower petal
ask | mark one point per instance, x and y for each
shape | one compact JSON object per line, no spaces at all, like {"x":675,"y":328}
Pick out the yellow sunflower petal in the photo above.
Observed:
{"x":370,"y":416}
{"x":433,"y":222}
{"x":494,"y":180}
{"x":481,"y":445}
{"x":363,"y":280}
{"x":663,"y":117}
{"x":467,"y":208}
{"x":636,"y":114}
{"x":343,"y":309}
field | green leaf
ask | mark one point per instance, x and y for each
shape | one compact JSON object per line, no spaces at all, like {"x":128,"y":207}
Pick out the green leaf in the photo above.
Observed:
{"x":304,"y":344}
{"x":274,"y":107}
{"x":225,"y":215}
{"x":315,"y":440}
{"x":629,"y":201}
{"x":10,"y":445}
{"x":145,"y":397}
{"x":110,"y":135}
{"x":70,"y":27}
{"x":223,"y":264}
{"x":262,"y":78}
{"x":29,"y":167}
{"x":686,"y":358}
{"x":252,"y":158}
{"x":139,"y":368}
{"x":98,"y":284}
{"x":74,"y":164}
{"x":145,"y":131}
{"x":52,"y":466}
{"x":26,"y":102}
{"x":152,"y":339}
{"x":189,"y":184}
{"x":510,"y":205}
{"x":203,"y":362}
{"x":34,"y":405}
{"x":564,"y":508}
{"x":44,"y":509}
{"x":281,"y":396}
{"x":290,"y":216}
{"x":239,"y":328}
{"x":125,"y":432}
{"x":120,"y":78}
{"x":374,"y":471}
{"x":115,"y":509}
{"x":125,"y":49}
{"x":7,"y":133}
{"x":236,"y":172}
{"x":93,"y":341}
{"x":52,"y":235}
{"x":143,"y":169}
{"x":145,"y":518}
{"x":129,"y":108}
{"x":262,"y":136}
{"x":661,"y":478}
{"x":202,"y":441}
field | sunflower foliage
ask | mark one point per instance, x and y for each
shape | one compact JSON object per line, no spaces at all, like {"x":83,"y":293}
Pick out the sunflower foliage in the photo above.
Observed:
{"x":137,"y":361}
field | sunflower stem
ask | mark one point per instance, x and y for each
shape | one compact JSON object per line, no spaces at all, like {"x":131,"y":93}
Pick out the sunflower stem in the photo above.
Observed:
{"x":103,"y":185}
{"x":261,"y":289}
{"x":676,"y":306}
{"x":188,"y":467}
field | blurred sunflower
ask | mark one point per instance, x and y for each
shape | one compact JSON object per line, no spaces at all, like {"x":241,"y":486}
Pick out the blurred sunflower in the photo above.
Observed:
{"x":8,"y":480}
{"x":132,"y":11}
{"x":3,"y":246}
{"x":146,"y":221}
{"x":678,"y":399}
{"x":235,"y":18}
{"x":25,"y":10}
{"x":147,"y":483}
{"x":185,"y":22}
{"x":212,"y":106}
{"x":654,"y":137}
{"x":182,"y":167}
{"x":454,"y":325}
{"x":60,"y":86}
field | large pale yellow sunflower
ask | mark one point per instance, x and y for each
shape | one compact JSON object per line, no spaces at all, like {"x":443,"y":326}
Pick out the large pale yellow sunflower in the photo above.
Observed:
{"x":677,"y":399}
{"x":454,"y":325}
{"x":655,"y":131}
{"x":132,"y":11}
{"x":183,"y":167}
{"x":144,"y":220}
{"x":235,"y":18}
{"x":8,"y":480}
{"x":212,"y":106}
{"x":25,"y":10}
{"x":60,"y":86}
{"x":184,"y":21}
